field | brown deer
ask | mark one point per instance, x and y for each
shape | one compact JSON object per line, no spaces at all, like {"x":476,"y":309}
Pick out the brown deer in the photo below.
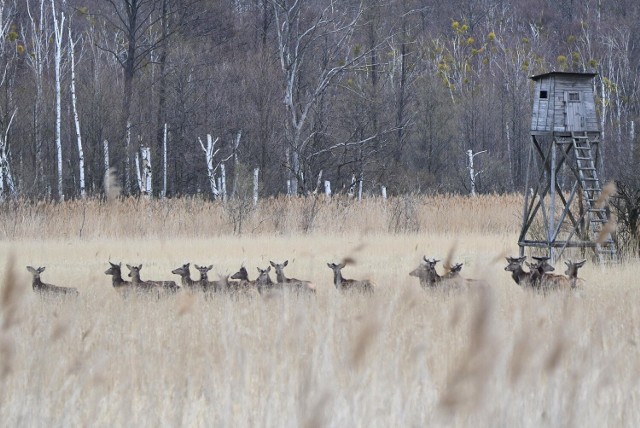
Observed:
{"x":185,"y":277}
{"x":43,"y":288}
{"x":216,"y":285}
{"x":572,"y":273}
{"x":298,"y":285}
{"x":426,"y":273}
{"x":343,"y":284}
{"x":134,"y":273}
{"x":241,"y":281}
{"x":264,"y":282}
{"x":519,"y":275}
{"x":116,"y":277}
{"x":542,"y":279}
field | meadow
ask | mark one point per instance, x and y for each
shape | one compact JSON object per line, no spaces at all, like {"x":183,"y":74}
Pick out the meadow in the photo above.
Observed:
{"x":488,"y":356}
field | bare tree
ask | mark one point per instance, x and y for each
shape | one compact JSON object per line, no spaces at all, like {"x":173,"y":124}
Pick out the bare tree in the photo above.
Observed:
{"x":301,"y":32}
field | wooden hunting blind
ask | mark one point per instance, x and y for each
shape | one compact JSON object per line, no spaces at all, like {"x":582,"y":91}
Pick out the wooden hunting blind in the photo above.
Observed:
{"x":563,"y":204}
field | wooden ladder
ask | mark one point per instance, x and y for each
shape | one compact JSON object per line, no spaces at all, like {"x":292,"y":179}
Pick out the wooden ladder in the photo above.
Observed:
{"x":592,"y":190}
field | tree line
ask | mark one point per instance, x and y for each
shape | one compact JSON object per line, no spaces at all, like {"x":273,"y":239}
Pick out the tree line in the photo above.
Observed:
{"x":185,"y":97}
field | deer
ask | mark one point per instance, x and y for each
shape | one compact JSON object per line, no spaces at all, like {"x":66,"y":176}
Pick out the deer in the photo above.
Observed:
{"x":572,"y":273}
{"x":44,"y":288}
{"x":426,"y":273}
{"x":185,"y":277}
{"x":519,"y":275}
{"x":343,"y":284}
{"x":542,"y":278}
{"x":241,"y":282}
{"x":264,"y":282}
{"x":116,"y":277}
{"x":296,"y":284}
{"x":219,"y":285}
{"x":134,"y":273}
{"x":429,"y":277}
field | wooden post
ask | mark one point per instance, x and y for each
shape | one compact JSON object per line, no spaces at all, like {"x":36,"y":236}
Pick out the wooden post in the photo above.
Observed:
{"x":552,"y":200}
{"x":383,"y":189}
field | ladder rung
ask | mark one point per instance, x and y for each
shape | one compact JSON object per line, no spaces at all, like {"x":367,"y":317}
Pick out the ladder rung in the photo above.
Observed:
{"x":590,"y":178}
{"x":592,"y":189}
{"x":599,"y":210}
{"x":587,"y":168}
{"x":583,"y":158}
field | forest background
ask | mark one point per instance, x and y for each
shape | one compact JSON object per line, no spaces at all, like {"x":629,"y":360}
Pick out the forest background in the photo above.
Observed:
{"x":362,"y":94}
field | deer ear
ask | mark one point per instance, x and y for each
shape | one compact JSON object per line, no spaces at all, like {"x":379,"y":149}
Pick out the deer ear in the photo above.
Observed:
{"x":210,"y":267}
{"x":581,"y":263}
{"x":286,"y":262}
{"x":41,"y":269}
{"x":272,"y":263}
{"x":30,"y":269}
{"x":427,"y":260}
{"x":268,"y":269}
{"x":129,"y":266}
{"x":342,"y":265}
{"x":140,"y":267}
{"x":567,"y":262}
{"x":330,"y":265}
{"x":197,"y":267}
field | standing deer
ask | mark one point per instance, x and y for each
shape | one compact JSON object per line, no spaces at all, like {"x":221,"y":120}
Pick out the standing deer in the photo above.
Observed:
{"x":343,"y":284}
{"x":572,"y":272}
{"x":519,"y":275}
{"x":542,"y":279}
{"x":426,"y":273}
{"x":43,"y":288}
{"x":185,"y":277}
{"x":116,"y":277}
{"x":219,"y":285}
{"x":134,"y":273}
{"x":296,"y":284}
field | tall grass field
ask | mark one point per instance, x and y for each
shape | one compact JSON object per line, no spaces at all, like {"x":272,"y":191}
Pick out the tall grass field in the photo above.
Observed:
{"x":492,"y":355}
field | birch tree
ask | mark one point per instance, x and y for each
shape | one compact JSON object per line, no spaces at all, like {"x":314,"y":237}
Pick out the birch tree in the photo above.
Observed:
{"x":58,"y":31}
{"x":210,"y":152}
{"x":76,"y":119}
{"x":298,"y":39}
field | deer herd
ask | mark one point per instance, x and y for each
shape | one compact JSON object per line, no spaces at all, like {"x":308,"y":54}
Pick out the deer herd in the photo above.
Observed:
{"x":538,"y":277}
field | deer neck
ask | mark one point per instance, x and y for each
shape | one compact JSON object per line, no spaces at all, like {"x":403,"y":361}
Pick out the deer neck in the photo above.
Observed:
{"x":337,"y":279}
{"x":117,"y":281}
{"x":280,"y":276}
{"x":37,"y":284}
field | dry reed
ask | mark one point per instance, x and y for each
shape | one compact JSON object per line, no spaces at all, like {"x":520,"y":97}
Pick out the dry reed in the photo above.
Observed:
{"x":495,"y":356}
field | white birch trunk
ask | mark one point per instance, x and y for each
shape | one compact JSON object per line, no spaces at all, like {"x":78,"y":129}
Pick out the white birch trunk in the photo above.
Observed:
{"x":327,"y":188}
{"x":223,"y":182}
{"x":105,"y":150}
{"x":164,"y":163}
{"x":210,"y":152}
{"x":76,"y":119}
{"x":256,"y":183}
{"x":127,"y":167}
{"x":5,"y":169}
{"x":138,"y":172}
{"x":146,"y":173}
{"x":472,"y":173}
{"x":58,"y":33}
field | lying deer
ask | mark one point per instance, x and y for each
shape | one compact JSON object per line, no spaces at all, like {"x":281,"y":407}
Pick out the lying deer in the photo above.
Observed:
{"x":298,"y":285}
{"x":134,"y":273}
{"x":343,"y":284}
{"x":43,"y":288}
{"x":264,"y":282}
{"x":241,"y":282}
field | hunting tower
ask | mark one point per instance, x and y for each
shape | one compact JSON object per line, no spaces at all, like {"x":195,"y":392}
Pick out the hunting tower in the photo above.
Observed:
{"x":564,"y":205}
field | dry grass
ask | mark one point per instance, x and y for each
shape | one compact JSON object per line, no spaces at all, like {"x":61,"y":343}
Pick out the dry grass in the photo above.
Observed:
{"x":490,"y":357}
